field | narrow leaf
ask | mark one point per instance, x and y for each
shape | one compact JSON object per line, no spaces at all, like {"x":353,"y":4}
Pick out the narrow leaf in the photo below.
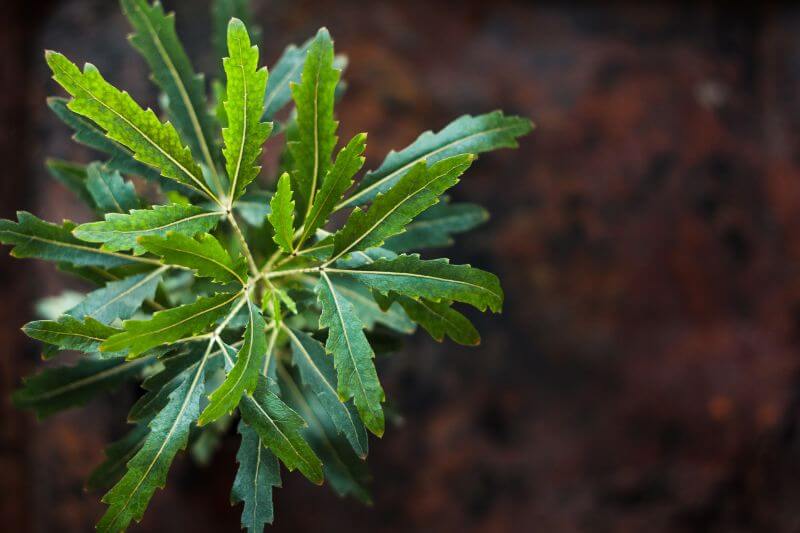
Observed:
{"x":111,"y":194}
{"x":440,"y":319}
{"x":203,"y":254}
{"x":69,"y":333}
{"x":287,"y":70}
{"x":368,"y":310}
{"x":118,"y":299}
{"x":258,"y":472}
{"x":282,"y":214}
{"x":435,"y":227}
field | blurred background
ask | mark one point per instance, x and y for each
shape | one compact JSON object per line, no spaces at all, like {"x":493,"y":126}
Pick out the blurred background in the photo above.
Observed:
{"x":645,"y":375}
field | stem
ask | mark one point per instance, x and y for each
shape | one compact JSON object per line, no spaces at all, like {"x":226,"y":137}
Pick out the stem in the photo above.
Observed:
{"x":245,"y":248}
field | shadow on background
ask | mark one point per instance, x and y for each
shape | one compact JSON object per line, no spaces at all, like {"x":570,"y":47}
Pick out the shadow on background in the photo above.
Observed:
{"x":644,"y":374}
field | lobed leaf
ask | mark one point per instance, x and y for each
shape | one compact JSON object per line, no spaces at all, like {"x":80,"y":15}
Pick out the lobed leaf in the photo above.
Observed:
{"x":258,"y":472}
{"x":440,"y":319}
{"x":203,"y":254}
{"x":282,"y":214}
{"x":109,"y":192}
{"x":69,"y":333}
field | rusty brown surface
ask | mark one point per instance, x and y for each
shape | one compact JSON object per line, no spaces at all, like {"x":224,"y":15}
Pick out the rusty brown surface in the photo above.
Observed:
{"x":644,"y":375}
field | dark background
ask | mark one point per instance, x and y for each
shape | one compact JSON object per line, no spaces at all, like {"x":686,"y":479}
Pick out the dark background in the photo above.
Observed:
{"x":644,"y":375}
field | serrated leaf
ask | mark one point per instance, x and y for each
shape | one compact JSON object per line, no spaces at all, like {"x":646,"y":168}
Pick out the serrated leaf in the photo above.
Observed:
{"x":157,"y":41}
{"x":35,"y":238}
{"x":440,"y":319}
{"x":56,"y":389}
{"x":147,"y":471}
{"x":73,"y":177}
{"x":118,"y":299}
{"x":388,"y":215}
{"x":353,"y":356}
{"x":122,"y":231}
{"x":337,"y":180}
{"x":203,"y":254}
{"x":258,"y":472}
{"x":110,"y":193}
{"x":152,"y":142}
{"x":435,"y":227}
{"x":172,"y":325}
{"x":279,"y":428}
{"x":319,"y":375}
{"x":368,"y":310}
{"x":282,"y":214}
{"x":117,"y":455}
{"x":434,"y":279}
{"x":466,"y":135}
{"x":243,"y":377}
{"x":312,"y":146}
{"x":69,"y":333}
{"x":245,"y":133}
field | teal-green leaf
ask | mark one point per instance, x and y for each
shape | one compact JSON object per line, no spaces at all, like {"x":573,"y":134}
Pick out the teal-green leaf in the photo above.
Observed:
{"x":172,"y":325}
{"x":243,"y":377}
{"x":435,"y":227}
{"x":440,"y":319}
{"x":280,"y":430}
{"x":282,"y":214}
{"x":253,"y":207}
{"x":287,"y":70}
{"x":69,"y":333}
{"x":152,"y":142}
{"x":203,"y":254}
{"x":155,"y":38}
{"x":117,"y":455}
{"x":245,"y":134}
{"x":388,"y":215}
{"x":147,"y":471}
{"x":368,"y":310}
{"x":111,"y":193}
{"x":257,"y":474}
{"x":466,"y":135}
{"x":118,"y":299}
{"x":434,"y":279}
{"x":352,"y":355}
{"x":56,"y":389}
{"x":319,"y":375}
{"x":312,"y":146}
{"x":121,"y":231}
{"x":73,"y":177}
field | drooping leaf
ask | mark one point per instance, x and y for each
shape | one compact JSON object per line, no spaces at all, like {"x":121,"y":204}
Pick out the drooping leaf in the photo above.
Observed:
{"x":121,"y":231}
{"x":245,"y":133}
{"x":466,"y":135}
{"x":435,"y":227}
{"x":111,"y":193}
{"x":258,"y":472}
{"x":280,"y":430}
{"x":35,"y":238}
{"x":282,"y":214}
{"x":69,"y":333}
{"x":434,"y":279}
{"x":118,"y":299}
{"x":388,"y":215}
{"x":155,"y":38}
{"x":167,"y":327}
{"x":56,"y":389}
{"x":352,"y":355}
{"x":147,"y":471}
{"x":440,"y":319}
{"x":203,"y":254}
{"x":312,"y":147}
{"x":243,"y":377}
{"x":152,"y":142}
{"x":117,"y":454}
{"x":337,"y":180}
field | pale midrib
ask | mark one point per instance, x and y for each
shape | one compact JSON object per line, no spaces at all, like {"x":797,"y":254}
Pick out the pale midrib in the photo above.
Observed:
{"x":427,"y":155}
{"x":235,"y":177}
{"x":353,"y":295}
{"x":111,"y":194}
{"x":409,"y":274}
{"x":86,"y":248}
{"x":149,"y":230}
{"x":255,"y":483}
{"x":315,"y":173}
{"x":434,"y":312}
{"x":282,"y":434}
{"x":65,"y":334}
{"x":211,"y":260}
{"x":250,"y":342}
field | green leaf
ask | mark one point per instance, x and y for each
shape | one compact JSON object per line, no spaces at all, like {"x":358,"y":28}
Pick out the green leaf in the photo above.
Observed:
{"x":388,"y":215}
{"x":243,"y":377}
{"x":338,"y":179}
{"x":111,"y":194}
{"x":38,"y":239}
{"x":253,"y":207}
{"x":286,"y":71}
{"x":280,"y":430}
{"x":117,"y":456}
{"x":434,"y":279}
{"x":121,"y":231}
{"x":258,"y":472}
{"x":466,"y":135}
{"x":368,"y":310}
{"x":56,"y":389}
{"x":353,"y":356}
{"x":73,"y":177}
{"x":89,"y":134}
{"x":203,"y":254}
{"x":118,"y":299}
{"x":244,"y":134}
{"x":312,"y":147}
{"x":439,"y":319}
{"x":157,"y":41}
{"x":282,"y":214}
{"x":434,"y":228}
{"x":319,"y":375}
{"x":154,"y":143}
{"x":147,"y":471}
{"x":172,"y":325}
{"x":69,"y":333}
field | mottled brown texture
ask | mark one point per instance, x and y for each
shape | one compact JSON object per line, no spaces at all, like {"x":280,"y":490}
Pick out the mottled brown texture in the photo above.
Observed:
{"x":644,"y":375}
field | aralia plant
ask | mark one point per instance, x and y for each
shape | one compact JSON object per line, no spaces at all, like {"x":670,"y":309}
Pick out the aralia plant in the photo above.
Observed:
{"x":232,"y":300}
